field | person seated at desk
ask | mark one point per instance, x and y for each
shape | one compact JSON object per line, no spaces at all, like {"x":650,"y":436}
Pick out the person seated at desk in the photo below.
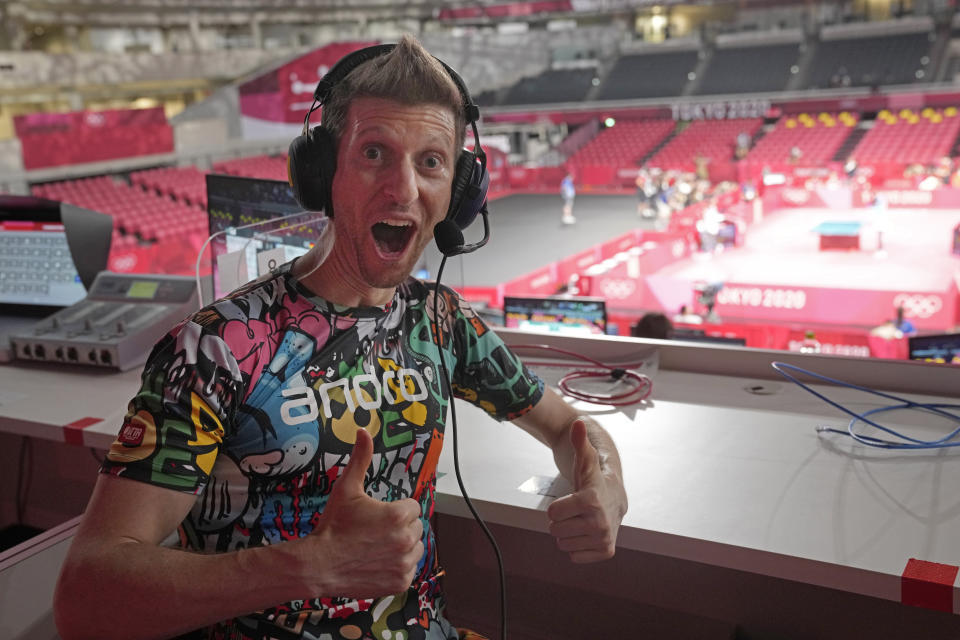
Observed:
{"x":258,"y":418}
{"x":652,"y":325}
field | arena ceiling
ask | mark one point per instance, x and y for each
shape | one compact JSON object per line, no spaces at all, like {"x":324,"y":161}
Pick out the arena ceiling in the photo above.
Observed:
{"x":175,"y":13}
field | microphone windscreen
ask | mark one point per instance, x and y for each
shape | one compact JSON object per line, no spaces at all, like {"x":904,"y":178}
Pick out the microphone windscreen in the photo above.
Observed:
{"x":449,"y":237}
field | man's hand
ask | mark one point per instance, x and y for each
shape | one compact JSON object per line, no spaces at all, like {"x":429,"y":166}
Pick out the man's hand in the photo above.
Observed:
{"x":585,"y":522}
{"x":367,"y":548}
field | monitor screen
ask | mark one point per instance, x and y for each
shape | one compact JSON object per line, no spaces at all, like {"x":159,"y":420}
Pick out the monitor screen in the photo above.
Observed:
{"x":943,"y":348}
{"x":37,"y":271}
{"x":556,"y":314}
{"x":237,"y":253}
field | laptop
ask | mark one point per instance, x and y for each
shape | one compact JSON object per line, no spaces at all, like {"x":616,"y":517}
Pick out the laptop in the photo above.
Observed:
{"x":50,"y":252}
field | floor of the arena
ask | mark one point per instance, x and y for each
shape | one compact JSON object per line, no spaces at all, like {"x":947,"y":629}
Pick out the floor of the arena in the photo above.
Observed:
{"x":782,"y":249}
{"x":526,"y":233}
{"x":904,"y":249}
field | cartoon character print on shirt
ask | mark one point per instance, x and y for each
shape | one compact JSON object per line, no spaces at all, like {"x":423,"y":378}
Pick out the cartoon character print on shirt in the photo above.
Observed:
{"x":270,"y":387}
{"x":367,"y":382}
{"x":368,"y":388}
{"x":495,"y":371}
{"x":364,"y":383}
{"x":180,"y":431}
{"x":259,"y":453}
{"x":364,"y":619}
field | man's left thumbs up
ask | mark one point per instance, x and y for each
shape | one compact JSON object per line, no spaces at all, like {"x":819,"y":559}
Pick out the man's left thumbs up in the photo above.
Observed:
{"x":585,"y":522}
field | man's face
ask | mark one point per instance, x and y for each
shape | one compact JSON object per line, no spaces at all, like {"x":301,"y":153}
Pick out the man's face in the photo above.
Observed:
{"x":395,"y":166}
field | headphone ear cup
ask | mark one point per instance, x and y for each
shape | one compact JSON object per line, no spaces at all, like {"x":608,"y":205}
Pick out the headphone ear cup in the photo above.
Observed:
{"x":311,"y":162}
{"x":469,"y":190}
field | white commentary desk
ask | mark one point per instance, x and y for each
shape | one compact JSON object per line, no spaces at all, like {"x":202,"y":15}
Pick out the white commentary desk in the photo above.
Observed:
{"x":743,"y":521}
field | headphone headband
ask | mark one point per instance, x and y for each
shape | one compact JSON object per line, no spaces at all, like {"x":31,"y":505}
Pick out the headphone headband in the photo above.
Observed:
{"x":351,"y":61}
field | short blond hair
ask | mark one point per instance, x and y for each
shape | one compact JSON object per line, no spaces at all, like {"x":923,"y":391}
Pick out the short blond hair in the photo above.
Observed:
{"x":408,"y":74}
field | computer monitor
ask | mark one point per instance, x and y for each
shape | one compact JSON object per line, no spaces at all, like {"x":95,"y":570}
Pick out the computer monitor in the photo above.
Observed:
{"x":234,"y":202}
{"x":38,"y":273}
{"x":942,"y":348}
{"x":556,"y":314}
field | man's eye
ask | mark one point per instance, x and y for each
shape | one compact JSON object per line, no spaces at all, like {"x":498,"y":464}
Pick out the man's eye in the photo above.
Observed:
{"x":371,"y":153}
{"x":432,"y":162}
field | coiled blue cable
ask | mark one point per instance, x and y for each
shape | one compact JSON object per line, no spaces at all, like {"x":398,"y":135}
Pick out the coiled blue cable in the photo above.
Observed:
{"x":900,"y":440}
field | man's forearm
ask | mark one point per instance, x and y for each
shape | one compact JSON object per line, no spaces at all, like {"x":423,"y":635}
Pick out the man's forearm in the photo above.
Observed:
{"x":134,"y":590}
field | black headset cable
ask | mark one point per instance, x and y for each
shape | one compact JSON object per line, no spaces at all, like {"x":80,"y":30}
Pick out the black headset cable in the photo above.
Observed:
{"x":456,"y":455}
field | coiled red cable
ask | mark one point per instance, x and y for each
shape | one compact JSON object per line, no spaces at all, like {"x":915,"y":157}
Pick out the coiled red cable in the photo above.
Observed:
{"x":640,"y":385}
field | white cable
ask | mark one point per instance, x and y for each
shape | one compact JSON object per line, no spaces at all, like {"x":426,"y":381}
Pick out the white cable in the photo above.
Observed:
{"x":324,"y":249}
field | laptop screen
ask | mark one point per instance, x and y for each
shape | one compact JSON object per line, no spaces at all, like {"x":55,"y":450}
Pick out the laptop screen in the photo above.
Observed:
{"x":943,"y":348}
{"x":555,"y":314}
{"x":255,"y":223}
{"x":37,"y":271}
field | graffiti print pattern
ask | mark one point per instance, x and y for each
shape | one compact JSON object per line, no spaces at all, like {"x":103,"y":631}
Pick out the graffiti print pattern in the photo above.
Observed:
{"x":254,"y":402}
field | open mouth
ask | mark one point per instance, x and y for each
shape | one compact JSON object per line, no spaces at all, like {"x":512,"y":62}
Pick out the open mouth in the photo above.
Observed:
{"x":392,"y":239}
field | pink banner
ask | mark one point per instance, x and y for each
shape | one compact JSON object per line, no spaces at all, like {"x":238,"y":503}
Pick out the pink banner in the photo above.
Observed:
{"x":55,"y":139}
{"x":941,"y":198}
{"x":840,"y":342}
{"x":507,"y":10}
{"x":284,"y":95}
{"x":578,"y":263}
{"x":176,"y":256}
{"x":625,"y":285}
{"x":791,"y":197}
{"x":623,"y":242}
{"x":931,"y":310}
{"x":597,"y":174}
{"x":542,"y":282}
{"x":43,"y":123}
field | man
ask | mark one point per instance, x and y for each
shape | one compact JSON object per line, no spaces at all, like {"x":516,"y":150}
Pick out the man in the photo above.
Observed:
{"x":652,"y":325}
{"x":568,"y":192}
{"x":251,"y":435}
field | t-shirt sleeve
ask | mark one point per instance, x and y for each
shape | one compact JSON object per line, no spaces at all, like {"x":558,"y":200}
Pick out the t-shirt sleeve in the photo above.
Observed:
{"x":176,"y":422}
{"x":487,"y":373}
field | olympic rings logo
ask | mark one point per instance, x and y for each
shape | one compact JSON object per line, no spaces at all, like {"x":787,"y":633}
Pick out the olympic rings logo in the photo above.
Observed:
{"x":618,"y":289}
{"x":917,"y":305}
{"x":796,"y":196}
{"x":124,"y":263}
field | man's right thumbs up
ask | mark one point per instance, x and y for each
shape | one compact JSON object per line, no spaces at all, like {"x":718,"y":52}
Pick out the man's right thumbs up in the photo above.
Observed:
{"x":365,"y":547}
{"x":352,"y":477}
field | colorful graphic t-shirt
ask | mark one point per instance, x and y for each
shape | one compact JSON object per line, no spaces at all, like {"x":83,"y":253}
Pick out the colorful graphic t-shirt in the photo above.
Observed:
{"x":253,"y":403}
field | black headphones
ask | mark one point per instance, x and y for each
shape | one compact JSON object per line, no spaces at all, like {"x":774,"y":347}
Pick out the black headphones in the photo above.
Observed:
{"x":312,"y":161}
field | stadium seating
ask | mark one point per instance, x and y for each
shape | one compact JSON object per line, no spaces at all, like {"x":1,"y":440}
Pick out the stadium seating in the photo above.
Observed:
{"x":908,"y":137}
{"x":139,"y":216}
{"x":713,"y":140}
{"x":186,"y":184}
{"x":552,"y":86}
{"x":870,"y":61}
{"x":578,"y":138}
{"x":817,"y":136}
{"x":648,"y":75}
{"x":489,"y":60}
{"x":624,"y":144}
{"x":749,"y":69}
